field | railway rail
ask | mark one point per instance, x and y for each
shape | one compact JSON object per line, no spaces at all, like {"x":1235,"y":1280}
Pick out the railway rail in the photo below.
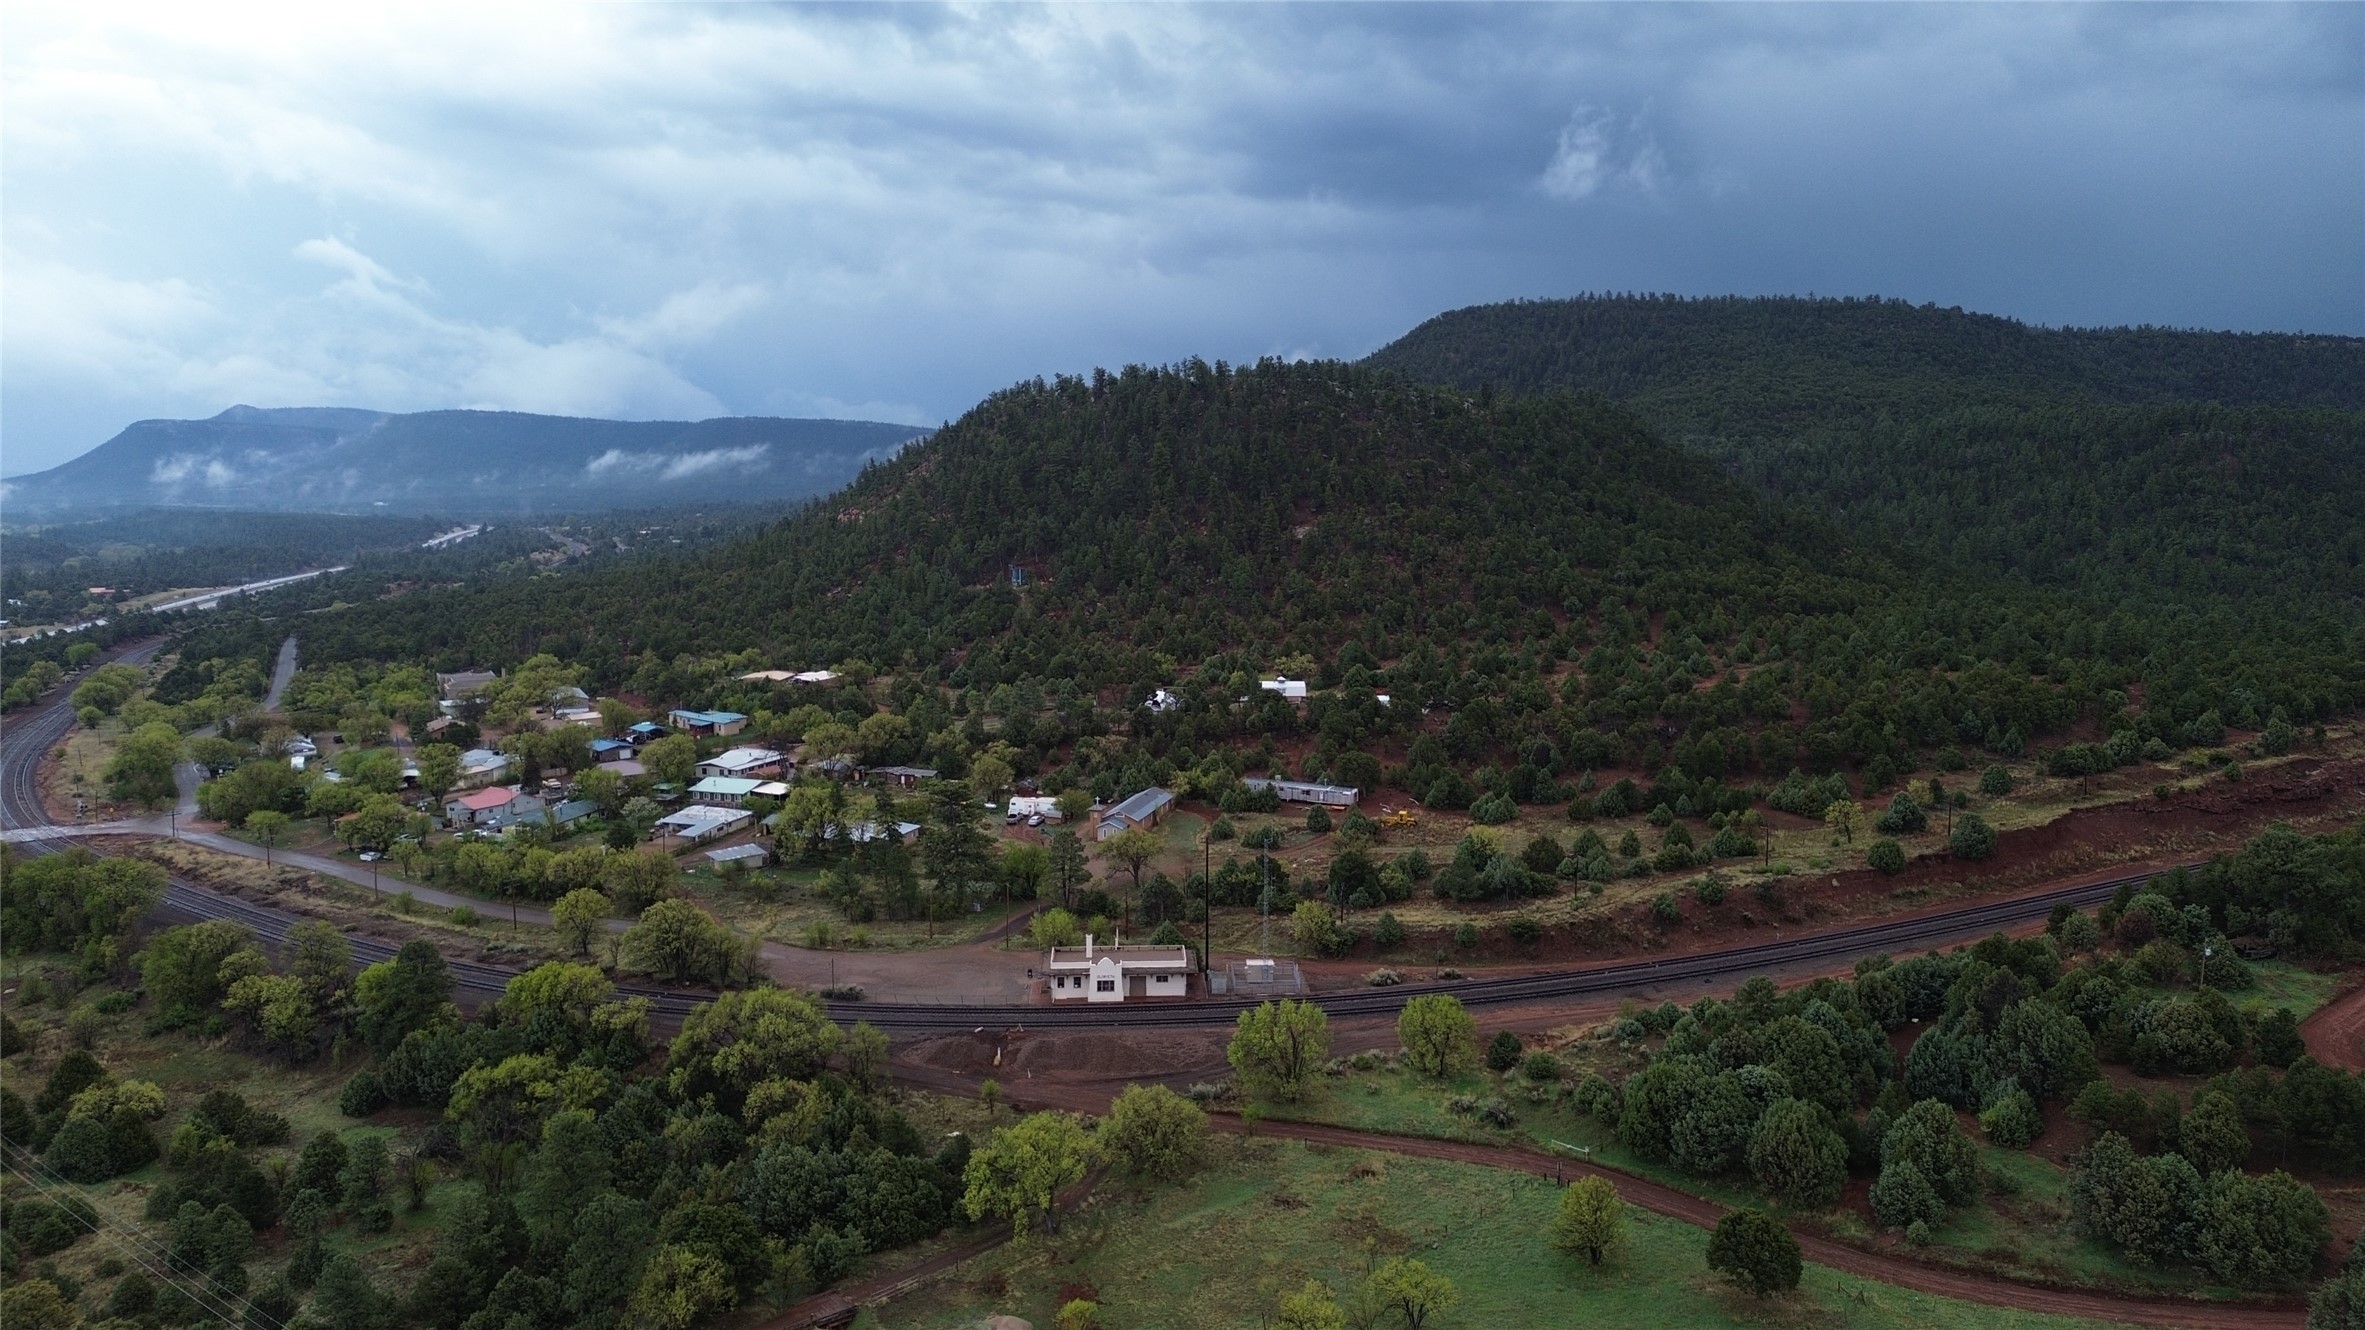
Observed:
{"x":23,"y":740}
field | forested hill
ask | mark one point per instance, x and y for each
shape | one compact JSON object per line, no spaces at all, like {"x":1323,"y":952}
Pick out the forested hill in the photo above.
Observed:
{"x":2126,"y":461}
{"x":1202,"y":510}
{"x":453,"y":462}
{"x":1548,"y":563}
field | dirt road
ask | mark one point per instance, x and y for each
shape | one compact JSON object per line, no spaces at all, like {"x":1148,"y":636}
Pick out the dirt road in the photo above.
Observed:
{"x":1093,"y":1097}
{"x":2335,"y":1034}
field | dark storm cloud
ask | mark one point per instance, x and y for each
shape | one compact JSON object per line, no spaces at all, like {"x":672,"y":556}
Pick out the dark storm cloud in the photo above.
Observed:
{"x":889,"y":211}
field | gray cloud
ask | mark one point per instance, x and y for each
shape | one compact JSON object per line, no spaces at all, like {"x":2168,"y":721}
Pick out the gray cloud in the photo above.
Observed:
{"x":659,"y":211}
{"x":677,"y":466}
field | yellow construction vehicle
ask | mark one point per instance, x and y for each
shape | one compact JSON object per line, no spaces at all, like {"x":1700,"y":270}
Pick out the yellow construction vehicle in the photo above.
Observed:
{"x":1398,"y":819}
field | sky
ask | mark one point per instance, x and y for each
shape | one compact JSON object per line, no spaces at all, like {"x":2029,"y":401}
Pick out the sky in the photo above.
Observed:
{"x":886,"y":212}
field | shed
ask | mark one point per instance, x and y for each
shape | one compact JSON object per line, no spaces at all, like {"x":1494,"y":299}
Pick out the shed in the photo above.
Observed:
{"x":736,"y":854}
{"x":1145,"y":809}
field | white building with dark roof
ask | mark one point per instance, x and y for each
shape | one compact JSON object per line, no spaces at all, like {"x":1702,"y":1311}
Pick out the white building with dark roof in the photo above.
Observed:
{"x":1093,"y":973}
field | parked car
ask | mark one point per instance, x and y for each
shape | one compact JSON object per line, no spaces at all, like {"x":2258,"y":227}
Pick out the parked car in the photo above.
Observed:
{"x":1034,"y":819}
{"x":369,"y":856}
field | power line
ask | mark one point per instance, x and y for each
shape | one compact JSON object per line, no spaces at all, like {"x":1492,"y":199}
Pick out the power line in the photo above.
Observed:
{"x":125,"y":1238}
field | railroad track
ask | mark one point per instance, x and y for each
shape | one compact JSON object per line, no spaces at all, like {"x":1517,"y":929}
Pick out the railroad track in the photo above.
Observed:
{"x":25,"y":739}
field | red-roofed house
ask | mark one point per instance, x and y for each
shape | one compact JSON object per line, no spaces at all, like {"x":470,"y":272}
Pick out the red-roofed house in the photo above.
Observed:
{"x":493,"y":806}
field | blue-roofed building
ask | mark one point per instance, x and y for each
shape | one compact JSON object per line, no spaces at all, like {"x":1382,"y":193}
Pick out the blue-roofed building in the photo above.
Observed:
{"x":704,"y":723}
{"x":614,"y":750}
{"x":572,"y":811}
{"x":644,"y":731}
{"x":1146,"y":809}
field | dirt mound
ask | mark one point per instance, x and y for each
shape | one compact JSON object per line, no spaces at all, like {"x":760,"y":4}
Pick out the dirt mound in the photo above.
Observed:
{"x":1006,"y":1054}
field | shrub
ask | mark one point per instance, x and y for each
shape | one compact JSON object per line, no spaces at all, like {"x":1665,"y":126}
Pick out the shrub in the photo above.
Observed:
{"x":1493,"y":810}
{"x":363,"y":1095}
{"x":1524,"y":930}
{"x":1318,"y":820}
{"x":1540,"y":1066}
{"x":840,"y":992}
{"x":1709,"y":890}
{"x":1384,"y":978}
{"x":1465,"y":936}
{"x":464,"y":916}
{"x":1665,"y":910}
{"x":2012,"y":1121}
{"x":1503,"y":1051}
{"x":1389,"y":932}
{"x":1886,"y":855}
{"x":1903,"y":1196}
{"x":1972,"y":838}
{"x":1754,"y":1251}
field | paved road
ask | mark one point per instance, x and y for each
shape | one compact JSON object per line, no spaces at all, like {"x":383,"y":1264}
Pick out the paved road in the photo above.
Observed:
{"x":932,"y":991}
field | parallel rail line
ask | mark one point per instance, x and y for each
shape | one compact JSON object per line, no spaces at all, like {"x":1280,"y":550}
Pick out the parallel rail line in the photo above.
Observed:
{"x":25,"y":739}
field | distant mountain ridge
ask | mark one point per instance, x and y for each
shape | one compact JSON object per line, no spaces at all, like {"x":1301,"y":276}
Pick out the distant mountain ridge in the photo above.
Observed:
{"x":335,"y":459}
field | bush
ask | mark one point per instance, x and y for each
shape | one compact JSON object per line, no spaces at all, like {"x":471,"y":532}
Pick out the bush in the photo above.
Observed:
{"x":1504,"y":1051}
{"x":363,"y":1095}
{"x":1389,"y":932}
{"x":1754,"y":1251}
{"x":1540,"y":1066}
{"x":1709,"y":890}
{"x":1886,"y":855}
{"x":1384,"y":978}
{"x":1972,"y":838}
{"x":1493,"y":810}
{"x":1903,"y":1196}
{"x":464,"y":916}
{"x":1665,"y":910}
{"x":1524,"y":931}
{"x":2012,"y":1121}
{"x":1465,"y":936}
{"x":840,"y":992}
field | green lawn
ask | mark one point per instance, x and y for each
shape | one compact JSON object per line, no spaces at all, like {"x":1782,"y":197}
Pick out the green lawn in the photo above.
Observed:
{"x":1268,"y":1215}
{"x":2022,"y":1229}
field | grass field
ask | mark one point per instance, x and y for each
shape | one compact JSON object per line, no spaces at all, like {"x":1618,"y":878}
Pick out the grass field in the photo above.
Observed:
{"x":2023,"y":1228}
{"x":786,"y":905}
{"x":1220,"y":1250}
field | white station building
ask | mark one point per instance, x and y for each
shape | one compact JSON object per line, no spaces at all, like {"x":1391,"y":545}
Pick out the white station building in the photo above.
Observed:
{"x":1093,"y":973}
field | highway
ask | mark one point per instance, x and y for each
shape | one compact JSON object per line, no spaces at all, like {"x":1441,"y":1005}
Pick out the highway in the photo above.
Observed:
{"x":28,"y":735}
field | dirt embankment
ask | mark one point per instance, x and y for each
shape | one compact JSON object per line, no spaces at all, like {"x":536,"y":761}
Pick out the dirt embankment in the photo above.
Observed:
{"x":2140,"y":832}
{"x":2335,"y":1034}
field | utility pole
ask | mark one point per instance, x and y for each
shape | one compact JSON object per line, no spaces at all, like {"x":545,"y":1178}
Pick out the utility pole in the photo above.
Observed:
{"x":1207,"y":907}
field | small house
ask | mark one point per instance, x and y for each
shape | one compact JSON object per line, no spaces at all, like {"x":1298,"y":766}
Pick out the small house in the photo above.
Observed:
{"x":1308,"y":792}
{"x":624,"y":768}
{"x":726,"y":791}
{"x":1293,"y":690}
{"x":466,"y":683}
{"x":569,"y":698}
{"x":707,"y":724}
{"x":751,"y":855}
{"x":641,"y":732}
{"x":614,"y":750}
{"x":742,"y":762}
{"x":491,"y":808}
{"x":1145,"y":809}
{"x":439,"y":726}
{"x":479,"y":766}
{"x":572,"y":811}
{"x":699,"y":822}
{"x":1093,"y":973}
{"x":904,"y":778}
{"x":1035,"y":805}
